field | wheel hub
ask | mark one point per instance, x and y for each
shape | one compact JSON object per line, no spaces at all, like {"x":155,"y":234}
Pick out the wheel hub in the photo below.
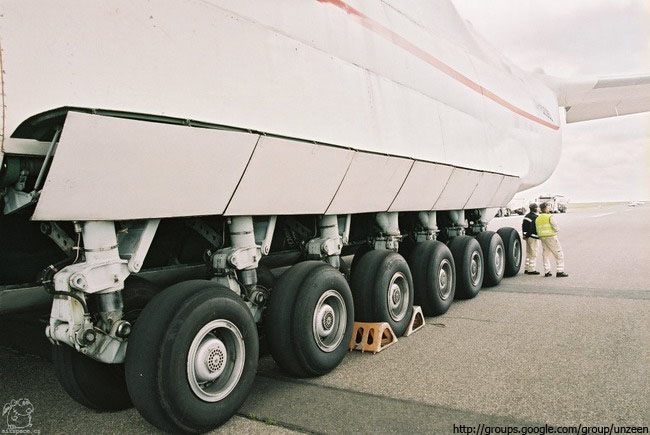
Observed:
{"x":445,"y":278}
{"x":215,"y":360}
{"x":325,"y":320}
{"x":398,"y":292}
{"x":475,"y":268}
{"x":210,"y":359}
{"x":516,"y":251}
{"x":329,"y":321}
{"x":498,"y":260}
{"x":442,"y":278}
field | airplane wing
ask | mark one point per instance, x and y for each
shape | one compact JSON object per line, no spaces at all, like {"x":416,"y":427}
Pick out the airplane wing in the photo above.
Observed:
{"x":602,"y":98}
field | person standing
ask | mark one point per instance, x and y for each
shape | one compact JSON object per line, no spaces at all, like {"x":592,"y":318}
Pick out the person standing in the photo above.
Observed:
{"x":529,"y":230}
{"x":547,"y":230}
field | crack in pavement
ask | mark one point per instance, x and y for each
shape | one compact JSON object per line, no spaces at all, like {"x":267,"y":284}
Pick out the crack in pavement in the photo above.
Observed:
{"x":306,"y":406}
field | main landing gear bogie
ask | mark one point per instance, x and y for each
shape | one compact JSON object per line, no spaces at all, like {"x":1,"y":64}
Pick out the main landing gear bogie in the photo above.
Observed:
{"x":192,"y":352}
{"x":93,"y":384}
{"x":382,"y":286}
{"x":309,"y":319}
{"x":192,"y":357}
{"x":494,"y":257}
{"x":512,"y":250}
{"x":434,"y":277}
{"x":468,"y":258}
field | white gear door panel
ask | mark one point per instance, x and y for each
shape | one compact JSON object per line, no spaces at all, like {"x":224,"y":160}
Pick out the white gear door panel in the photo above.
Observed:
{"x":459,"y":188}
{"x":290,"y":177}
{"x":487,"y":187}
{"x":115,"y":169}
{"x":422,"y":187}
{"x":370,"y":184}
{"x":507,"y":189}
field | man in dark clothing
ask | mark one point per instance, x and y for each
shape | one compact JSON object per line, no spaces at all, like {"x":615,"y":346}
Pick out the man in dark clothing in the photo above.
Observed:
{"x":532,"y":240}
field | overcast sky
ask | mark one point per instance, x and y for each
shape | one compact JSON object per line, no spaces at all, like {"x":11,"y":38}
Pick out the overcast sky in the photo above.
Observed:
{"x":602,"y":160}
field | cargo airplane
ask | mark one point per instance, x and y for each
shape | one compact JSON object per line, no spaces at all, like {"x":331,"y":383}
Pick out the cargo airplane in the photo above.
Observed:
{"x":144,"y":141}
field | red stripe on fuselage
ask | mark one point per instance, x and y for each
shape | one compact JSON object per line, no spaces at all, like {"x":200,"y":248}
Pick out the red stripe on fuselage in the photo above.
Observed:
{"x":399,"y":41}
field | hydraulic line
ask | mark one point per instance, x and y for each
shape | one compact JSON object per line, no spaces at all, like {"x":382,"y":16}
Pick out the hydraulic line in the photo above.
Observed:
{"x":47,"y":277}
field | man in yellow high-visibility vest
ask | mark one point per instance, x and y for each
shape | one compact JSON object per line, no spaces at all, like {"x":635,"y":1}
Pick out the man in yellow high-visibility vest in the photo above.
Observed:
{"x":547,"y":230}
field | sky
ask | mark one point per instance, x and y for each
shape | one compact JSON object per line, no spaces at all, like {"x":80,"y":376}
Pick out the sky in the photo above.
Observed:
{"x":602,"y":160}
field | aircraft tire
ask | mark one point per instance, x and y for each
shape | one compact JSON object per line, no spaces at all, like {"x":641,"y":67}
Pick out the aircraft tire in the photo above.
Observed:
{"x":309,"y":320}
{"x":361,"y":251}
{"x":468,"y":258}
{"x":192,"y":357}
{"x":494,"y":256}
{"x":265,"y":277}
{"x":93,"y":384}
{"x":512,"y":245}
{"x":382,"y":287}
{"x":434,"y":277}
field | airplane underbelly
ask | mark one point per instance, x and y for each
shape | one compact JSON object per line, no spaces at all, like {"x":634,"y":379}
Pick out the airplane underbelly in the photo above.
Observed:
{"x":306,"y":70}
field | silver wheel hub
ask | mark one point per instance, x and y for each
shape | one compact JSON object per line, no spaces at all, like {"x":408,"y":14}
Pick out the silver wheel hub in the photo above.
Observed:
{"x":445,"y":278}
{"x":215,"y":360}
{"x":442,"y":278}
{"x":498,"y":260}
{"x":210,"y":360}
{"x":517,"y":251}
{"x":398,"y":296}
{"x":475,"y":268}
{"x":329,"y":321}
{"x":325,"y":320}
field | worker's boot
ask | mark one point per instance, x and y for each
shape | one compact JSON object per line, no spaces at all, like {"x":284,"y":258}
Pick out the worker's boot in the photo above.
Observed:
{"x":561,"y":274}
{"x":534,"y":272}
{"x":547,"y":274}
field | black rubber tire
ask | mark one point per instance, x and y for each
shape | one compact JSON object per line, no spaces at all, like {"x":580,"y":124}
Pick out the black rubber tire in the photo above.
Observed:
{"x":136,"y":295}
{"x":156,"y":359}
{"x":93,"y":384}
{"x":265,"y":277}
{"x":426,"y":261}
{"x":462,"y":249}
{"x":358,"y":255}
{"x":491,"y":243}
{"x":406,"y":247}
{"x":513,"y":249}
{"x":289,"y":318}
{"x":370,"y":285}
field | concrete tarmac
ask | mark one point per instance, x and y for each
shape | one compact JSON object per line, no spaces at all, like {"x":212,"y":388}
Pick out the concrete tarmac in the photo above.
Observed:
{"x":531,"y":351}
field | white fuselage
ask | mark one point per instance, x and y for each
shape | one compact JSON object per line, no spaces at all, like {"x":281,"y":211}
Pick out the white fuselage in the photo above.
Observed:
{"x":407,"y":79}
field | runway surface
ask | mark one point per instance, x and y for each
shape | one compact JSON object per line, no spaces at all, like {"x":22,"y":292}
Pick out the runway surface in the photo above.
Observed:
{"x":531,"y":351}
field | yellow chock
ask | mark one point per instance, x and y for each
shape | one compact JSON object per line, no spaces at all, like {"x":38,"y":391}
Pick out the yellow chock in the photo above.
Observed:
{"x":372,"y":337}
{"x":417,"y":321}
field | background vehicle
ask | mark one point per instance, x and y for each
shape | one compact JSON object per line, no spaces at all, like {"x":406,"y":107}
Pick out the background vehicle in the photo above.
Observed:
{"x":559,"y":203}
{"x":518,"y":205}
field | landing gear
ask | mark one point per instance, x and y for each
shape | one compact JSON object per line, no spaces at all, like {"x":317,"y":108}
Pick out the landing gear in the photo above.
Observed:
{"x":512,"y":247}
{"x":310,"y":319}
{"x":468,"y":259}
{"x":97,"y":385}
{"x":383,"y":290}
{"x":361,"y":251}
{"x":192,"y":357}
{"x":434,"y":277}
{"x":91,"y":383}
{"x":494,"y":256}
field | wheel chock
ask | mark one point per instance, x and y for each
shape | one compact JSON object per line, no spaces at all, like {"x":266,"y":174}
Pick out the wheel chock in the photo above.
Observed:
{"x":417,"y":321}
{"x":372,"y":337}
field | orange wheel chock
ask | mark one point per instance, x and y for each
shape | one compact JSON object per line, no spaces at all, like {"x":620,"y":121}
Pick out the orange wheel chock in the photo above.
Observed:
{"x":372,"y":337}
{"x":417,"y":321}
